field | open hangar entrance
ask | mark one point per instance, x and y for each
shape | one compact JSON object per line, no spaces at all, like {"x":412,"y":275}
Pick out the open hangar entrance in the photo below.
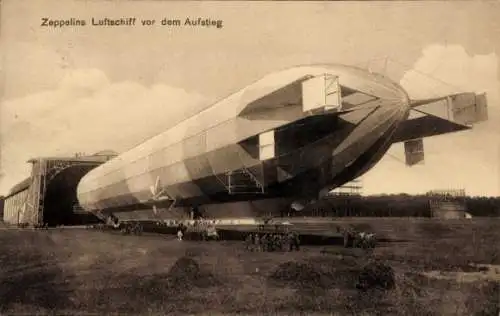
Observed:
{"x":48,"y":196}
{"x":60,"y":202}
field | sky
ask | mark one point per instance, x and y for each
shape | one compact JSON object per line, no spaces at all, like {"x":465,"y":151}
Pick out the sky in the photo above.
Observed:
{"x":89,"y":88}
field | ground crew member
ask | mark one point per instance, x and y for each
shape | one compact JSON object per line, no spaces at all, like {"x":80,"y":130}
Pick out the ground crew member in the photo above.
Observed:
{"x":264,"y":241}
{"x":249,"y":242}
{"x":277,"y":242}
{"x":297,"y":242}
{"x":270,"y":242}
{"x":294,"y":241}
{"x":349,"y":237}
{"x":286,"y":242}
{"x":257,"y":242}
{"x":281,"y":241}
{"x":360,"y":239}
{"x":290,"y":241}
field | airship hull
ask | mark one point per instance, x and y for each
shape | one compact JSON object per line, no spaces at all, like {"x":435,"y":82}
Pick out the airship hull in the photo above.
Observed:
{"x":220,"y":166}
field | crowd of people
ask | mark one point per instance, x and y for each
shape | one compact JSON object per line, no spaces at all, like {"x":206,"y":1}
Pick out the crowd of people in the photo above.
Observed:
{"x":272,"y":242}
{"x":204,"y":230}
{"x":258,"y":241}
{"x":356,"y":239}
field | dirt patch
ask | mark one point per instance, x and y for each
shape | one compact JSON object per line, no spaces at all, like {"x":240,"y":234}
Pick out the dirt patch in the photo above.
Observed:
{"x":376,"y":275}
{"x":334,"y":273}
{"x":186,"y":273}
{"x":467,"y":273}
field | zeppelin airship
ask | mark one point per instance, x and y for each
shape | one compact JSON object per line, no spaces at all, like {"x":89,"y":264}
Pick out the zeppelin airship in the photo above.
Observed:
{"x":291,"y":136}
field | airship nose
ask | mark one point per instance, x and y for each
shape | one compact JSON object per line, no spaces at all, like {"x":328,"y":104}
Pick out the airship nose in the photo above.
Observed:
{"x":404,"y":102}
{"x":373,"y":89}
{"x":404,"y":98}
{"x":397,"y":98}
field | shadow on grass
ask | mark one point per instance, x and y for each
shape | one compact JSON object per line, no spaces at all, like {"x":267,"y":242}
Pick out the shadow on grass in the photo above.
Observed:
{"x":31,"y":278}
{"x":168,"y":292}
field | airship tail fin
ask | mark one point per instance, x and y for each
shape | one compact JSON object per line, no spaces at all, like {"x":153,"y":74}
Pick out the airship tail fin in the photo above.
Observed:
{"x":431,"y":117}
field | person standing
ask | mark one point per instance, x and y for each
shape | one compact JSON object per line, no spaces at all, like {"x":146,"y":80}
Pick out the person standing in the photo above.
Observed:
{"x":249,"y":242}
{"x":294,"y":242}
{"x":257,"y":241}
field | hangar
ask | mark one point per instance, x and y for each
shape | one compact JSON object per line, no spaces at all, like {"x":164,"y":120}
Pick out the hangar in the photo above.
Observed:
{"x":48,"y":195}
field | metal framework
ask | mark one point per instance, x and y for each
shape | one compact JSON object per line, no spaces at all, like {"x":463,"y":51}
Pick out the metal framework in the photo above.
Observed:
{"x":243,"y":181}
{"x":447,"y":203}
{"x":354,"y":187}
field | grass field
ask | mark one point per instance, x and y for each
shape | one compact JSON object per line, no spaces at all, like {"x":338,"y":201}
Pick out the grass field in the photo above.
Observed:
{"x":77,"y":271}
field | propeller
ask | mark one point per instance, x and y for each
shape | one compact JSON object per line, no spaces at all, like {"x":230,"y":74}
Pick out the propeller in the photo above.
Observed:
{"x":155,"y":189}
{"x":156,"y":193}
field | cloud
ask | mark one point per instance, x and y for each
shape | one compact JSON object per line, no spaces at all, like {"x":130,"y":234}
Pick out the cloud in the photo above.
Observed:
{"x":86,"y":113}
{"x":468,"y":159}
{"x":449,"y":69}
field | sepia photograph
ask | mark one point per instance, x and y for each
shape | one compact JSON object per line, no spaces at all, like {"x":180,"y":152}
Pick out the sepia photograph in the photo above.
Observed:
{"x":249,"y":157}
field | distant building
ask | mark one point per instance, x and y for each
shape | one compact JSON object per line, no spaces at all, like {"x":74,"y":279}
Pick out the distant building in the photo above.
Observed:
{"x":2,"y":202}
{"x":448,"y":204}
{"x":354,"y":187}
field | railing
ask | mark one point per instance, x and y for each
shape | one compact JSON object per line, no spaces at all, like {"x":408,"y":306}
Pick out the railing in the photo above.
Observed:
{"x":243,"y":181}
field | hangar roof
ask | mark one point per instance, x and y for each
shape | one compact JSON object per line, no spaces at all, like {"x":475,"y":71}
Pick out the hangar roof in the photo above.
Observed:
{"x":100,"y":156}
{"x":20,"y":186}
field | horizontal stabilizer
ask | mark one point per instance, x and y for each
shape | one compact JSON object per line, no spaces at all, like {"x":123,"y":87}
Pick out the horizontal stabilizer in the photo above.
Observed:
{"x":462,"y":108}
{"x":414,"y":151}
{"x":452,"y":113}
{"x":425,"y":126}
